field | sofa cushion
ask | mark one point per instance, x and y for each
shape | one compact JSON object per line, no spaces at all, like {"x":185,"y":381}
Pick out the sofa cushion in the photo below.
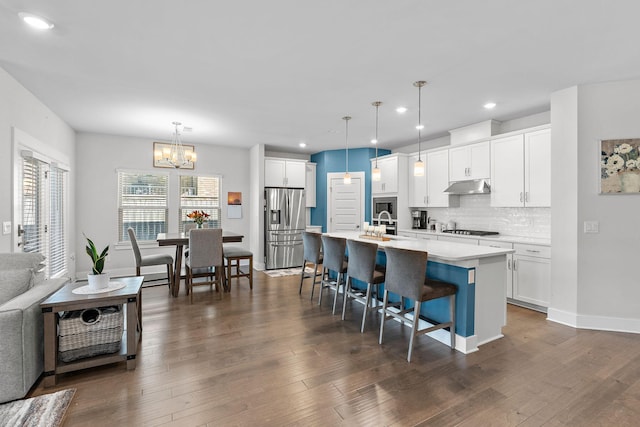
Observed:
{"x":14,"y":283}
{"x":19,"y":260}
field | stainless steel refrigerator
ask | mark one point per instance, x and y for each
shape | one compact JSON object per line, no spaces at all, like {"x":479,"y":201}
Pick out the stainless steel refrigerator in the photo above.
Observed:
{"x":284,"y":221}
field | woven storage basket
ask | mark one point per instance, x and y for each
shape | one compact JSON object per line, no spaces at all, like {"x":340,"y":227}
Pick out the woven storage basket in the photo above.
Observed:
{"x":90,"y":332}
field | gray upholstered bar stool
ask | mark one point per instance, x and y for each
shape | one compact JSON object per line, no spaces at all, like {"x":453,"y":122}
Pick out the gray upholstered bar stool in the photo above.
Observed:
{"x":334,"y":249}
{"x":362,"y":266}
{"x":149,"y":260}
{"x":406,"y":277}
{"x":312,"y":244}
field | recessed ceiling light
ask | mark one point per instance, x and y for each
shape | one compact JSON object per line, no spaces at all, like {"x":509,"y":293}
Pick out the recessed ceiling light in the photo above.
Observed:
{"x":401,"y":110}
{"x":419,"y":127}
{"x":302,"y":145}
{"x":35,"y":21}
{"x":374,"y":141}
{"x":489,"y":105}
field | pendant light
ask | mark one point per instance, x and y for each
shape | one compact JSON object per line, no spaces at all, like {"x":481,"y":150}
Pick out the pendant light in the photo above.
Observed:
{"x":375,"y":172}
{"x":418,"y":167}
{"x":347,"y":176}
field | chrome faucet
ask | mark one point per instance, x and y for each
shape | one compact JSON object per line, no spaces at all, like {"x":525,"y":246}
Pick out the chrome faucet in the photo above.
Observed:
{"x":388,"y":216}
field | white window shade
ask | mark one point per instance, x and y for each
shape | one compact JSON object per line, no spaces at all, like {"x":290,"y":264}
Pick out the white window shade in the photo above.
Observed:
{"x":57,"y":214}
{"x":200,"y":193}
{"x":143,"y":204}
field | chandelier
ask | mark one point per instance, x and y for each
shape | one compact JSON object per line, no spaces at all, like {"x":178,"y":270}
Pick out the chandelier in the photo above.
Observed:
{"x":176,"y":155}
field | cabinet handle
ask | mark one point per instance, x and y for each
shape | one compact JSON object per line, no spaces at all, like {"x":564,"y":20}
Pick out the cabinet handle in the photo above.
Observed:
{"x":508,"y":264}
{"x":526,"y":196}
{"x":521,"y":197}
{"x":533,"y":251}
{"x":514,"y":265}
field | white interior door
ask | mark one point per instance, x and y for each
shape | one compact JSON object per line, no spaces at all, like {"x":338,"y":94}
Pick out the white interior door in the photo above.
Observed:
{"x":345,"y":208}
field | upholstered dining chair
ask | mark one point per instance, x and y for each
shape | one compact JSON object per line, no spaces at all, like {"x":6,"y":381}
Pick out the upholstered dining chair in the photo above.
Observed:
{"x":334,"y":249}
{"x":312,"y":247}
{"x":150,"y":260}
{"x":205,"y":259}
{"x":405,"y":277}
{"x":362,"y":266}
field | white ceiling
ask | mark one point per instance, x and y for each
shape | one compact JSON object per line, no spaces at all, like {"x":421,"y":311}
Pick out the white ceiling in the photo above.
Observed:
{"x":278,"y":72}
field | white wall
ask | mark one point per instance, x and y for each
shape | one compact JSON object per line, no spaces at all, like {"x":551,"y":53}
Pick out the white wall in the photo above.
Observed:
{"x":101,"y":155}
{"x":20,"y":109}
{"x":608,"y":291}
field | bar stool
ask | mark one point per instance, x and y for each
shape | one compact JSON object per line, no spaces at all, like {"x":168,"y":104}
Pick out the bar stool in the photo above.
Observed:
{"x":406,"y":277}
{"x":233,"y":255}
{"x":334,"y":260}
{"x":312,"y":244}
{"x":362,"y":266}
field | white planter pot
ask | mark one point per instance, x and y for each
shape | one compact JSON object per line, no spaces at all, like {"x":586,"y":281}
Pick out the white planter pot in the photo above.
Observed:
{"x":98,"y":281}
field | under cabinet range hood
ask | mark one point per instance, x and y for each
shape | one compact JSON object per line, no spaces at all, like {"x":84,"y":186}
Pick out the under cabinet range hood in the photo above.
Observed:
{"x":473,"y":186}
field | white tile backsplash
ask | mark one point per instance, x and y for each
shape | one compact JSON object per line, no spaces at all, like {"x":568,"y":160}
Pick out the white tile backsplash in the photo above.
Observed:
{"x":475,"y":213}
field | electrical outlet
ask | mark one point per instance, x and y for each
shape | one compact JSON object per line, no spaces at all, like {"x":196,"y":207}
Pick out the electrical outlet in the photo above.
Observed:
{"x":591,"y":227}
{"x":6,"y":227}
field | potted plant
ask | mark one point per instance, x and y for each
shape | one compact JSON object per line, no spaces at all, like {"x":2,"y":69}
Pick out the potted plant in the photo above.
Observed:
{"x":198,"y":217}
{"x":97,"y":280}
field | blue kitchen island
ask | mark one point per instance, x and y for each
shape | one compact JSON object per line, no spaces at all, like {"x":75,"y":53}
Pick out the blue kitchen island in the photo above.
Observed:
{"x":479,"y":273}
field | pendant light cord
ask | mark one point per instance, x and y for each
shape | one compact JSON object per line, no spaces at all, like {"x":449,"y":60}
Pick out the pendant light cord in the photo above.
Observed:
{"x":377,"y":104}
{"x":419,"y":120}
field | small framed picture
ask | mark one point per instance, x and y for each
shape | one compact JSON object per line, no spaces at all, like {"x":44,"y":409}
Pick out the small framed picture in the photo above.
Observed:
{"x":164,"y":158}
{"x":620,"y":166}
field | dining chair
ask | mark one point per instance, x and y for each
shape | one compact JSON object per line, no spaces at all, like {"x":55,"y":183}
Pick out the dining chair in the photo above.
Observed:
{"x":405,"y":277}
{"x":312,"y":247}
{"x":362,"y":266}
{"x":233,"y":254}
{"x":205,"y":259}
{"x":150,"y":260}
{"x":334,"y":249}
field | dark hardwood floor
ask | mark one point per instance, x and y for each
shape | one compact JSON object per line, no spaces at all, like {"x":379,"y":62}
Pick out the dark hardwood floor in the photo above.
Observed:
{"x":271,"y":357}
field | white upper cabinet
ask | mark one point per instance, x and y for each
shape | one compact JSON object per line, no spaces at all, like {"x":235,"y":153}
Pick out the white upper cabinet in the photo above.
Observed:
{"x":285,"y":173}
{"x":470,"y":162}
{"x":438,"y":179}
{"x":310,"y":185}
{"x":389,"y":175}
{"x":417,"y":184}
{"x":520,"y":170}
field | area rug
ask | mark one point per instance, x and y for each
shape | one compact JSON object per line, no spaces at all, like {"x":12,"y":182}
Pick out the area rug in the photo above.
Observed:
{"x":47,"y":410}
{"x":287,"y":272}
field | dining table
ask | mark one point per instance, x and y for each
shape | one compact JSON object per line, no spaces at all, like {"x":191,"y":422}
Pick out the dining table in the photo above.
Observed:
{"x":180,"y":240}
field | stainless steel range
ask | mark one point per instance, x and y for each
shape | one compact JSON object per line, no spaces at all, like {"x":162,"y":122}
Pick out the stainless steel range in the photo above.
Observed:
{"x":472,"y":232}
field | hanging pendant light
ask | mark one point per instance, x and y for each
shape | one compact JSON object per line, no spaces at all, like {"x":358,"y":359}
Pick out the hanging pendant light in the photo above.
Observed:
{"x":175,"y":154}
{"x":375,"y":172}
{"x":418,"y":166}
{"x":347,"y":176}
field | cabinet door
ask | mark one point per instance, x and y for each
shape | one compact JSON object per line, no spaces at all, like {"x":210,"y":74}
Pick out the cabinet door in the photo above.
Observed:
{"x":296,"y":174}
{"x":274,"y":173}
{"x":537,"y":168}
{"x":479,"y":160}
{"x":507,"y":172}
{"x":462,"y":240}
{"x":388,"y":176}
{"x":532,"y":278}
{"x":437,"y":178}
{"x":417,"y":185}
{"x":459,"y":163}
{"x":310,"y":185}
{"x":509,"y":265}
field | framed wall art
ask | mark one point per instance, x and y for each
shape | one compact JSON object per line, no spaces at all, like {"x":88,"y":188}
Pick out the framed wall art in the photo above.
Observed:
{"x":620,"y":166}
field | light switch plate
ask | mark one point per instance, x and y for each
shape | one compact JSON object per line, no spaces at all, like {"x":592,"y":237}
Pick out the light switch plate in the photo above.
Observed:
{"x":6,"y":227}
{"x":591,"y":227}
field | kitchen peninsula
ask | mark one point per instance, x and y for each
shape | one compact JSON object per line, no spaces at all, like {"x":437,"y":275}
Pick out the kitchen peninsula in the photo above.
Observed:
{"x":479,"y":273}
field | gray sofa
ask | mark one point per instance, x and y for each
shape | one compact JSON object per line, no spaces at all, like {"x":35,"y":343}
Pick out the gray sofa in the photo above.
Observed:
{"x":22,"y":289}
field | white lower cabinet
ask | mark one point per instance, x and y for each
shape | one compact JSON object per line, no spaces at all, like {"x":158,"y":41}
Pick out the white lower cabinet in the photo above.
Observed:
{"x":463,"y":240}
{"x":532,"y":274}
{"x":528,"y":274}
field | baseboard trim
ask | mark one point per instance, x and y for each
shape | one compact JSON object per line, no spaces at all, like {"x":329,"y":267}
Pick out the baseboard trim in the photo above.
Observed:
{"x":598,"y":323}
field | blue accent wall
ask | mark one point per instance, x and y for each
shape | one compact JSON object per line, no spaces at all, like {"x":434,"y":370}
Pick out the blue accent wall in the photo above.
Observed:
{"x":334,"y":161}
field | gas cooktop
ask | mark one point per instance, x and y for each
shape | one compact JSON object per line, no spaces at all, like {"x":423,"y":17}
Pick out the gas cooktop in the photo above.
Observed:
{"x":472,"y":232}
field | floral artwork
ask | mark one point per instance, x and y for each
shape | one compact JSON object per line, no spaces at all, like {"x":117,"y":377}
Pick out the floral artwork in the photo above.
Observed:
{"x":620,"y":166}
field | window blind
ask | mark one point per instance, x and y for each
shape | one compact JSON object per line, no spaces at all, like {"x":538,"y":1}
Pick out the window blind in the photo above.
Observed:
{"x":200,"y":193}
{"x":34,"y":218}
{"x":143,"y":204}
{"x":56,"y":232}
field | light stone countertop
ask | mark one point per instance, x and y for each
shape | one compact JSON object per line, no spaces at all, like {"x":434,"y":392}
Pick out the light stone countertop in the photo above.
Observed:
{"x":437,"y":250}
{"x":497,"y":238}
